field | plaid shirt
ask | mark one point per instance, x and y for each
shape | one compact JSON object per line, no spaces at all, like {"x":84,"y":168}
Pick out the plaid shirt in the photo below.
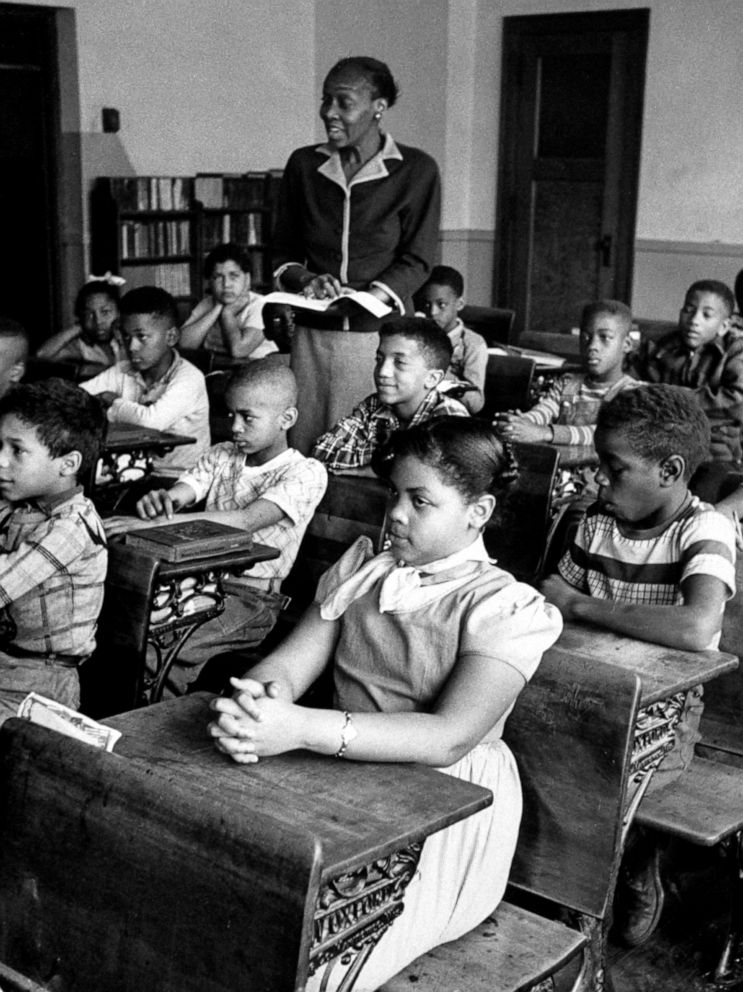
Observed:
{"x":294,"y":483}
{"x":353,"y":440}
{"x":53,"y":562}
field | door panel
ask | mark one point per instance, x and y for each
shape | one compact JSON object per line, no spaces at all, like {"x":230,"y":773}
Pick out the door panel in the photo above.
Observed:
{"x":569,"y":162}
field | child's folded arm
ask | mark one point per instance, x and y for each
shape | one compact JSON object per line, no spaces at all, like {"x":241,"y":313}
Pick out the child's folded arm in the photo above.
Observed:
{"x":175,"y":404}
{"x":691,"y":626}
{"x":199,"y":322}
{"x":38,"y":559}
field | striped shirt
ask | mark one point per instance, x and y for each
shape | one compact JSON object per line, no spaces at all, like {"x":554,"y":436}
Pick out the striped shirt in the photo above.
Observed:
{"x":571,"y":406}
{"x":353,"y":440}
{"x":294,"y":483}
{"x":53,"y":562}
{"x":650,"y":569}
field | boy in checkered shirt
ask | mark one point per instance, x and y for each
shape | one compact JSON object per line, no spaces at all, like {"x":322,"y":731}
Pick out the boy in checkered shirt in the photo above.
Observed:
{"x":53,"y":554}
{"x":651,"y":561}
{"x":256,"y":482}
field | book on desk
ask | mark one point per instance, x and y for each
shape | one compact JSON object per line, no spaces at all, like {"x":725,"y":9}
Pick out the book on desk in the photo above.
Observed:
{"x":189,"y":539}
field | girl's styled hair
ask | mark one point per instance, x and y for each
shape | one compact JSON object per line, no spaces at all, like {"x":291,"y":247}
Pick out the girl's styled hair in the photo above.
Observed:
{"x":94,"y":288}
{"x":464,"y":452}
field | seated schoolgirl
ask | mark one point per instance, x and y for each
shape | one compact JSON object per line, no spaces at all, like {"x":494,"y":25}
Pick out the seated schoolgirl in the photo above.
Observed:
{"x":94,"y":340}
{"x":431,"y":644}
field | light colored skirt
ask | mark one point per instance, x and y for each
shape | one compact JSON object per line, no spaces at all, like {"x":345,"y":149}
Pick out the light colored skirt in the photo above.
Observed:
{"x":334,"y":372}
{"x":461,"y":877}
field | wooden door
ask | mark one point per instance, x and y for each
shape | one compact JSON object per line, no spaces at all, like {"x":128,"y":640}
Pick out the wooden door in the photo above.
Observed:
{"x":569,"y":162}
{"x":29,"y":131}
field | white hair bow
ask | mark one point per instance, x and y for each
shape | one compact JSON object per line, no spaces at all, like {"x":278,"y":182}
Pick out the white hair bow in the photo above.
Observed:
{"x":108,"y":277}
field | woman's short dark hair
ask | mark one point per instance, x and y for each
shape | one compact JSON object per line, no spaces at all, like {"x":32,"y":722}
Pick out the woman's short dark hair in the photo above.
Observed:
{"x":658,"y":421}
{"x":380,"y":78}
{"x":464,"y":451}
{"x":94,"y":288}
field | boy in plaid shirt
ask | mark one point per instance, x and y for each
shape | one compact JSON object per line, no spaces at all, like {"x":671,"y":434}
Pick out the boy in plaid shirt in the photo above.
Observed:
{"x":412,"y":359}
{"x":53,"y":554}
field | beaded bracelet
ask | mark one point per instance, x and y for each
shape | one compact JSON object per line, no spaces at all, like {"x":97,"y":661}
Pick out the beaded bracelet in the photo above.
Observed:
{"x":348,"y":733}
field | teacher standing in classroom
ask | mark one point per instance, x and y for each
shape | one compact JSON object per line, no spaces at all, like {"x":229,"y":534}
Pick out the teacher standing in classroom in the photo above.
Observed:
{"x":359,"y":211}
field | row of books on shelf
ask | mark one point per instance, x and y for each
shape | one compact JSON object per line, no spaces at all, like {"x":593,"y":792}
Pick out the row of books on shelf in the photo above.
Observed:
{"x":175,"y":277}
{"x":134,"y":193}
{"x":252,"y":189}
{"x":157,"y":237}
{"x":243,"y":229}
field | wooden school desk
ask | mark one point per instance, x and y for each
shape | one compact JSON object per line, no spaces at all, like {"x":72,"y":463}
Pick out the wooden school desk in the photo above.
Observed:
{"x":167,"y":866}
{"x":666,"y":674}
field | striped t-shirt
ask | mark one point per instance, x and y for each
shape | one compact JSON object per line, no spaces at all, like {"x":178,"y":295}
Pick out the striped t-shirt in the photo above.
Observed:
{"x":649,"y":569}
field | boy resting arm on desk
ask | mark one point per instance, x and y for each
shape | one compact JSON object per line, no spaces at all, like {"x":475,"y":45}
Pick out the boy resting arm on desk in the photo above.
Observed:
{"x":255,"y":482}
{"x":52,"y":546}
{"x":649,"y":560}
{"x":567,"y":413}
{"x":411,"y":361}
{"x":155,"y":387}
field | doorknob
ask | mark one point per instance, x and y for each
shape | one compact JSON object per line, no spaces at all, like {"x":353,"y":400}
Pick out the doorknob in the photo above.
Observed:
{"x":604,"y":245}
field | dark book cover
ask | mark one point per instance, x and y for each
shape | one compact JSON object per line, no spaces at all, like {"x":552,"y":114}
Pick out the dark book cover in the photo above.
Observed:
{"x":189,"y":539}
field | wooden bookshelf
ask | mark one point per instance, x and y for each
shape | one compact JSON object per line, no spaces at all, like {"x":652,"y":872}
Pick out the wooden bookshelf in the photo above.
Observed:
{"x":158,"y":230}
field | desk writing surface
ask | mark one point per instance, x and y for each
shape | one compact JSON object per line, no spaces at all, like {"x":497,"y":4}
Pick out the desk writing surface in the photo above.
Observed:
{"x":359,"y":811}
{"x":121,"y":437}
{"x":663,"y":670}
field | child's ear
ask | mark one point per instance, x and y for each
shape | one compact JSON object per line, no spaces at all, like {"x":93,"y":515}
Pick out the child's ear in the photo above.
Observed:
{"x":626,"y":344}
{"x":460,"y":304}
{"x":70,"y":463}
{"x":17,"y":372}
{"x":481,"y":510}
{"x":289,"y":417}
{"x":672,"y":470}
{"x":171,"y":338}
{"x":433,"y":378}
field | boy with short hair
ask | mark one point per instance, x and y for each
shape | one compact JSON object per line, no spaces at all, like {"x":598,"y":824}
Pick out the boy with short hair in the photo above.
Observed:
{"x":411,"y":361}
{"x":706,"y":355}
{"x":567,"y":413}
{"x":229,"y":320}
{"x":14,"y":347}
{"x":54,"y":558}
{"x":650,"y":561}
{"x":155,"y":387}
{"x":255,"y":482}
{"x":442,"y":298}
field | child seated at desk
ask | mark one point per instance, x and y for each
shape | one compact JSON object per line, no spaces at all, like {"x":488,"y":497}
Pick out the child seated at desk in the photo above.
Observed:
{"x":256,"y":482}
{"x":155,"y":387}
{"x":567,"y":413}
{"x":53,"y":560}
{"x":706,"y":355}
{"x":412,"y":359}
{"x":229,"y":320}
{"x":431,"y":643}
{"x":94,"y":340}
{"x":650,"y":561}
{"x":441,"y":299}
{"x":13,"y":353}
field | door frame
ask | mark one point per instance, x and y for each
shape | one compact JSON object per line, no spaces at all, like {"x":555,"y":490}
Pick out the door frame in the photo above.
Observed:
{"x":635,"y":26}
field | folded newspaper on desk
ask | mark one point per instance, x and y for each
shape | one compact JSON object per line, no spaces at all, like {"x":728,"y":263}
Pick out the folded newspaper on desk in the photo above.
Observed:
{"x":56,"y":716}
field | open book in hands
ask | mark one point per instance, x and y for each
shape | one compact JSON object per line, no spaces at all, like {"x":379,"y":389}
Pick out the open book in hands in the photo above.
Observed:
{"x":358,"y":297}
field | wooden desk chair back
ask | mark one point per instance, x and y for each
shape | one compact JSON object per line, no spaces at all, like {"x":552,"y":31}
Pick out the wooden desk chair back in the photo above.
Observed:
{"x":508,"y":381}
{"x":493,"y":323}
{"x":219,"y":420}
{"x":110,"y":679}
{"x":105,"y":882}
{"x":572,"y":731}
{"x":351,"y":507}
{"x":517,"y":536}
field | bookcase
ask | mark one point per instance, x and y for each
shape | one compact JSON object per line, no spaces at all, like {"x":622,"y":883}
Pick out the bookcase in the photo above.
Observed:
{"x":158,"y":230}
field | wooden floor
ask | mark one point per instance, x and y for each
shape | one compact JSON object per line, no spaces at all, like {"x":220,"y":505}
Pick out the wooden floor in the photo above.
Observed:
{"x":684,"y":949}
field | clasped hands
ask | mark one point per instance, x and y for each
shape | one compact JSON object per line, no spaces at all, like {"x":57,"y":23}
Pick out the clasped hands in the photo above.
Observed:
{"x":257,"y":720}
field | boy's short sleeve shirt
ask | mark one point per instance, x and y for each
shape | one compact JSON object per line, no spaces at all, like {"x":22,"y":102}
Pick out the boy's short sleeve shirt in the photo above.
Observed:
{"x":294,"y":483}
{"x":649,"y":571}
